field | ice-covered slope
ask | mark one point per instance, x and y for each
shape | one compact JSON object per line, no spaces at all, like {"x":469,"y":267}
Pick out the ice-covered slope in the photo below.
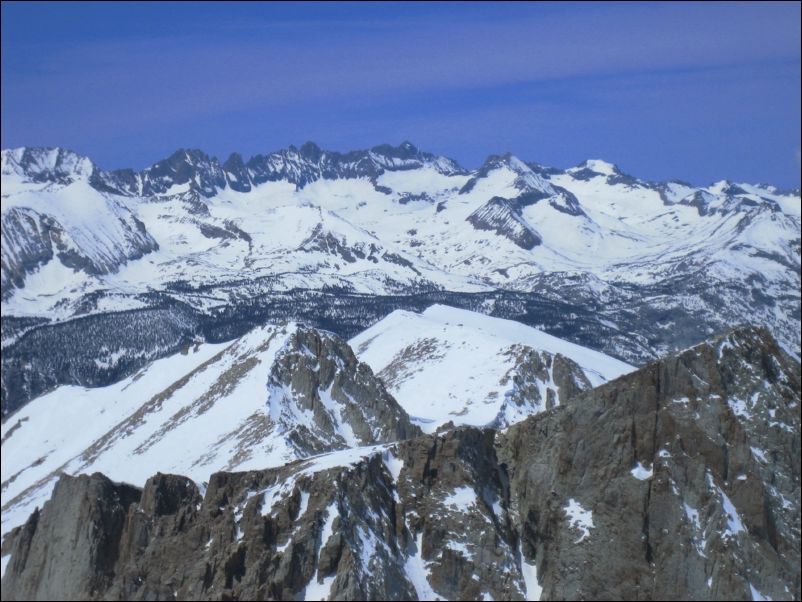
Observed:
{"x":274,"y":395}
{"x":452,"y":365}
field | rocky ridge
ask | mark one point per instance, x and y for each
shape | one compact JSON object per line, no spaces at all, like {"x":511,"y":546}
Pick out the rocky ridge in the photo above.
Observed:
{"x":277,"y":394}
{"x":677,"y":481}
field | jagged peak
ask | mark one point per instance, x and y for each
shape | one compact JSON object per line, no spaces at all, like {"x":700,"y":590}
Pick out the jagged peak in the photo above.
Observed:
{"x":188,"y":156}
{"x":234,"y":159}
{"x":730,"y":188}
{"x":526,"y":179}
{"x":496,"y":161}
{"x":58,"y":163}
{"x":719,"y":185}
{"x":40,"y":151}
{"x":598,"y":166}
{"x":745,"y":336}
{"x":374,"y":160}
{"x":41,"y":163}
{"x":406,"y":155}
{"x":310,"y":150}
{"x":700,"y":196}
{"x":405,"y":150}
{"x":508,"y":160}
{"x":745,"y":340}
{"x":544,"y":170}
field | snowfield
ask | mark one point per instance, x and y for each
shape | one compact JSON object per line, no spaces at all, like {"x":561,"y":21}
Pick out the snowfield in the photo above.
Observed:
{"x":452,"y":365}
{"x":387,"y":221}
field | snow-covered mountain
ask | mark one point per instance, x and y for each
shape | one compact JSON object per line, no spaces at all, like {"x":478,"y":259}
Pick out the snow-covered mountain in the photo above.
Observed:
{"x":275,"y":395}
{"x":286,"y":392}
{"x":633,"y":268}
{"x":452,"y":365}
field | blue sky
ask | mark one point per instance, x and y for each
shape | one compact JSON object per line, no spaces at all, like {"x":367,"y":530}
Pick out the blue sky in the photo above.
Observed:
{"x":698,"y":92}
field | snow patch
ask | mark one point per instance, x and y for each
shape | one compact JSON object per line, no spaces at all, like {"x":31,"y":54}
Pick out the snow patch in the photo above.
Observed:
{"x":393,"y":464}
{"x":344,"y":458}
{"x":417,"y":572}
{"x":319,"y":588}
{"x":579,"y":518}
{"x":700,"y":542}
{"x":756,"y":595}
{"x":734,"y":524}
{"x":534,"y":590}
{"x":462,"y":499}
{"x":759,"y":454}
{"x":642,"y":473}
{"x":304,"y":503}
{"x":739,"y":407}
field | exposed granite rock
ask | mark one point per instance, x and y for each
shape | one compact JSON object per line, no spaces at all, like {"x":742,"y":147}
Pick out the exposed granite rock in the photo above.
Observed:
{"x":77,"y":559}
{"x":539,"y":381}
{"x":678,"y":481}
{"x":317,"y":372}
{"x":503,"y":217}
{"x":350,"y":530}
{"x":689,"y":467}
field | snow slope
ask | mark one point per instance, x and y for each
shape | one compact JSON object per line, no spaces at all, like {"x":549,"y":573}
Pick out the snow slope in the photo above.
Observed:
{"x":448,"y":364}
{"x":264,"y":399}
{"x":215,"y":407}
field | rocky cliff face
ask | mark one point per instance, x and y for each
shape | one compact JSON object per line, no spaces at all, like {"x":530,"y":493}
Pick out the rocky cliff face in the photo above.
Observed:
{"x":678,"y":481}
{"x":28,"y":234}
{"x":53,"y":205}
{"x":322,"y":398}
{"x":499,"y":215}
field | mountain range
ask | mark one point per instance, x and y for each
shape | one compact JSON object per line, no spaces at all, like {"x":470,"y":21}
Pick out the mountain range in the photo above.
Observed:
{"x":380,"y":375}
{"x":208,"y":251}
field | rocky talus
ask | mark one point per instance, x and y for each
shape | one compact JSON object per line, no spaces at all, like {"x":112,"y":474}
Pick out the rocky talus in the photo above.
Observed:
{"x":678,"y":481}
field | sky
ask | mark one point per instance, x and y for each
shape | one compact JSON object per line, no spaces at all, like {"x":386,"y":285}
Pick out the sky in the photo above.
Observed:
{"x":692,"y":91}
